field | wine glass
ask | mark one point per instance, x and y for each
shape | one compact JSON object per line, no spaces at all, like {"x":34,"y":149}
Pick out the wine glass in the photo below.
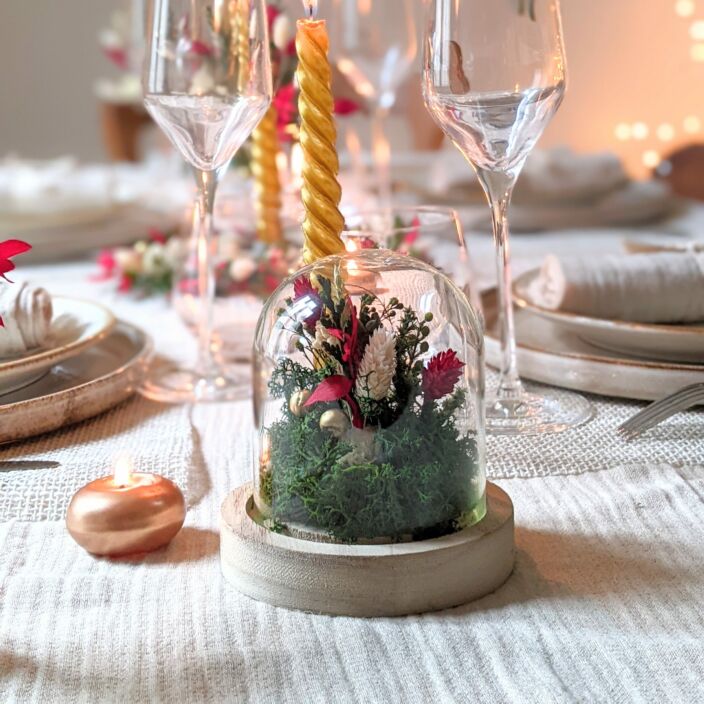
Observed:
{"x":207,"y":84}
{"x":374,"y":44}
{"x":494,"y":74}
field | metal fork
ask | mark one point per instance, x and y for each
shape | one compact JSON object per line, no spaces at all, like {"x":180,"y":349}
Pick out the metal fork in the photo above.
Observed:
{"x":661,"y":410}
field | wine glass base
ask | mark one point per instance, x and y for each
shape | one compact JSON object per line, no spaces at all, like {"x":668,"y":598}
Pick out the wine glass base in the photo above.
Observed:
{"x":179,"y":385}
{"x":550,"y":411}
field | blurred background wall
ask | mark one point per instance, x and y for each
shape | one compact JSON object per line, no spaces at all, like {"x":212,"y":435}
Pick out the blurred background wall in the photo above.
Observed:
{"x":636,"y":77}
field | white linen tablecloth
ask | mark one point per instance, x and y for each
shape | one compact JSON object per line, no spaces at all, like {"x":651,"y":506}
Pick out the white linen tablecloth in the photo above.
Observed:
{"x":604,"y":604}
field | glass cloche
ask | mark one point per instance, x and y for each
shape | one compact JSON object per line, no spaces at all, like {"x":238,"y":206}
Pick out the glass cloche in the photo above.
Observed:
{"x":369,"y":403}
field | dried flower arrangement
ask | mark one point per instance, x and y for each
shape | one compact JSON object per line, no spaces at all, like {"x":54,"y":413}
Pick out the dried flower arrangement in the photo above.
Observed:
{"x":367,"y":446}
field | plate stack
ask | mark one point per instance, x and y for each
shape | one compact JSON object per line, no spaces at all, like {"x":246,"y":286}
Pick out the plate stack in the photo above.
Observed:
{"x":87,"y":363}
{"x":647,"y":343}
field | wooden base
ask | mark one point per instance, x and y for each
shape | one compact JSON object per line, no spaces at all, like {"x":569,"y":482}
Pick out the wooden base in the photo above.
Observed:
{"x":366,"y":580}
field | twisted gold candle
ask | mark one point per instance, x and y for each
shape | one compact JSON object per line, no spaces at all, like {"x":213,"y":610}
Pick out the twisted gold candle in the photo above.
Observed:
{"x":321,"y":191}
{"x":242,"y":43}
{"x":267,"y":186}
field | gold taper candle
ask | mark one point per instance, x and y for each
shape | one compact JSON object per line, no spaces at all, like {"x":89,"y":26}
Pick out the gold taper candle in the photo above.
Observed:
{"x":242,"y":43}
{"x":321,"y":191}
{"x":267,"y":184}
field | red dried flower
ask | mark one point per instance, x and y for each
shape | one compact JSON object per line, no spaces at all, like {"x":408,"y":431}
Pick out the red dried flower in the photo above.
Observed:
{"x":310,"y":306}
{"x":441,"y":375}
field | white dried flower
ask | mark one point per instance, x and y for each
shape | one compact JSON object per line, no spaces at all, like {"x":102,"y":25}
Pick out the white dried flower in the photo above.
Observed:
{"x":154,"y":261}
{"x":323,"y":337}
{"x":281,"y":33}
{"x":242,"y":268}
{"x":378,"y":366}
{"x":202,"y":82}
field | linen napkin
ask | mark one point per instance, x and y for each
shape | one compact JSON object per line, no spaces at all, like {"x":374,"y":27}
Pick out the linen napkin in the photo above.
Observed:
{"x":26,"y":312}
{"x":645,"y":288}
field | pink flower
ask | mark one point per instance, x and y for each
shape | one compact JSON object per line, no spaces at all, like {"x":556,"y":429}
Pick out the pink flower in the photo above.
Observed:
{"x":271,"y":283}
{"x":286,"y":108}
{"x":345,"y":107}
{"x":157,"y":235}
{"x":108,"y":265}
{"x":271,"y":14}
{"x":117,"y":56}
{"x":441,"y":375}
{"x":125,"y":283}
{"x":200,"y":48}
{"x":413,"y":235}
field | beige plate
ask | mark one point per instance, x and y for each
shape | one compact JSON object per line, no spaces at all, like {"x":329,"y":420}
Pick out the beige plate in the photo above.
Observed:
{"x":672,"y":343}
{"x":76,"y":325}
{"x":80,"y":387}
{"x":551,"y":354}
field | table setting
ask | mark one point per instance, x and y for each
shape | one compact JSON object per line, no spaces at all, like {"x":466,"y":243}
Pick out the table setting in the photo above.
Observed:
{"x":283,"y":420}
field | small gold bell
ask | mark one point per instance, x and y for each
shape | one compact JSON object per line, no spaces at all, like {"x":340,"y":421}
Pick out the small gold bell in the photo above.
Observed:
{"x":297,"y":403}
{"x":335,"y":422}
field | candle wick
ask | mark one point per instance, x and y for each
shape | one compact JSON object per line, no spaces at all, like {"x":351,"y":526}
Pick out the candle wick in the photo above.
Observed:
{"x":311,"y":10}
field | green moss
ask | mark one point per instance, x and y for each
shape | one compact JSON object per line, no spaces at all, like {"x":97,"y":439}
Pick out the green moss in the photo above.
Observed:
{"x":419,"y":483}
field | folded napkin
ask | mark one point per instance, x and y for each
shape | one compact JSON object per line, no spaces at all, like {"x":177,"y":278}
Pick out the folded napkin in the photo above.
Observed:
{"x":643,"y":288}
{"x":26,"y":312}
{"x":549,"y":176}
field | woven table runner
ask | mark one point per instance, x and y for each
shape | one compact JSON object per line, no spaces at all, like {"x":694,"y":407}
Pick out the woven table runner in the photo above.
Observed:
{"x":38,"y":477}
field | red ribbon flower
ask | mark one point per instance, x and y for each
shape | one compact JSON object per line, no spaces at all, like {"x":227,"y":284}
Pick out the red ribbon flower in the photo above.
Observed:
{"x":9,"y":249}
{"x":441,"y":375}
{"x":337,"y":388}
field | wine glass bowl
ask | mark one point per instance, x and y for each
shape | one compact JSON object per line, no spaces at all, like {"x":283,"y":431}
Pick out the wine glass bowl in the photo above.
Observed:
{"x":374,"y":45}
{"x":494,"y":75}
{"x":207,"y":84}
{"x":373,"y":54}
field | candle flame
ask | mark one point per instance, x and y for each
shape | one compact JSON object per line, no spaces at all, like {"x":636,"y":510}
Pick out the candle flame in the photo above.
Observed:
{"x":122,"y":474}
{"x":351,"y":246}
{"x":311,"y":8}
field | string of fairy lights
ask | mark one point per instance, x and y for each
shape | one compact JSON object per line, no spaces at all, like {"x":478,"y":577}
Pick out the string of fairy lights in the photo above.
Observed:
{"x":667,"y":132}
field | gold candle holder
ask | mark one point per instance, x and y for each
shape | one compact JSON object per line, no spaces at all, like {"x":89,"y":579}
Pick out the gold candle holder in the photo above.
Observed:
{"x":126,"y":513}
{"x":267,"y":184}
{"x":321,"y":191}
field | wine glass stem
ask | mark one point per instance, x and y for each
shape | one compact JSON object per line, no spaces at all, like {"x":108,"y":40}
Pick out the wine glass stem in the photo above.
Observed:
{"x":500,"y":189}
{"x":381,"y":151}
{"x":207,"y":184}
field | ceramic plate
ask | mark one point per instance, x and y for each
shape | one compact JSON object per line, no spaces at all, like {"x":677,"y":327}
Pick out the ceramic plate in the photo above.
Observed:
{"x":76,"y":325}
{"x":552,"y":354}
{"x":675,"y":343}
{"x":80,"y":387}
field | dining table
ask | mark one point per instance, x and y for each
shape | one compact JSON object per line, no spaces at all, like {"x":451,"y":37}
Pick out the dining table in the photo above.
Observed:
{"x":604,"y":603}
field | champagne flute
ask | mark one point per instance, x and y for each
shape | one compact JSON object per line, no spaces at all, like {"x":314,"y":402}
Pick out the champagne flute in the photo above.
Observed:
{"x":494,"y":74}
{"x":207,"y":84}
{"x":374,"y":44}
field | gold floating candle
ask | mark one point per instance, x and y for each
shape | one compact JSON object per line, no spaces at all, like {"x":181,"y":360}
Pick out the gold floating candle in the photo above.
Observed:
{"x":267,"y":184}
{"x":321,"y":191}
{"x":126,"y":513}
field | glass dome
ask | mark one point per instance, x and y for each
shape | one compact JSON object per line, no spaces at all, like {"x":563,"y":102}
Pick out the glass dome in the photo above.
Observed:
{"x":369,"y":403}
